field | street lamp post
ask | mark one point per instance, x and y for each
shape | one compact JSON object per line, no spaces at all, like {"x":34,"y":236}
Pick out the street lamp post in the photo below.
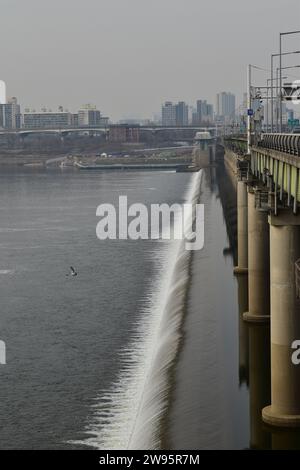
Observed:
{"x":279,"y":91}
{"x":249,"y":102}
{"x":280,"y":73}
{"x":272,"y":76}
{"x":272,"y":99}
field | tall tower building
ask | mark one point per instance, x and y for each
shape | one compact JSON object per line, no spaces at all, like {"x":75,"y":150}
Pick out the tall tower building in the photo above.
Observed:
{"x":2,"y":92}
{"x":168,"y":114}
{"x":204,"y":113}
{"x":10,"y":114}
{"x":201,"y":109}
{"x":225,"y":105}
{"x":182,"y":114}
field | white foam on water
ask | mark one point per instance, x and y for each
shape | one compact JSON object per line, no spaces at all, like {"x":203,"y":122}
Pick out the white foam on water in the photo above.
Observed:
{"x":13,"y":230}
{"x":128,"y":415}
{"x":6,"y":271}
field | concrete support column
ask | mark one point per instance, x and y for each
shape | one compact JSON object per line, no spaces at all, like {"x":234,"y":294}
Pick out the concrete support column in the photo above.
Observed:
{"x":243,"y":330}
{"x":242,"y":213}
{"x":258,"y":263}
{"x":285,"y":323}
{"x":259,"y":381}
{"x":285,"y":439}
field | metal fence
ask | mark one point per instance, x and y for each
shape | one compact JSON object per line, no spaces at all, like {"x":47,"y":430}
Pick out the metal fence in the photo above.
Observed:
{"x":287,"y":143}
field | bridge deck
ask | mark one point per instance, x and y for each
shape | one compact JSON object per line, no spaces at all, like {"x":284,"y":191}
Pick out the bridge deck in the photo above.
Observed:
{"x":277,"y":155}
{"x":283,"y":167}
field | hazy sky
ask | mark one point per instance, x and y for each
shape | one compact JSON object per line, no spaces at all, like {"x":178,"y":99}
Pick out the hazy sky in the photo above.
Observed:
{"x":127,"y":56}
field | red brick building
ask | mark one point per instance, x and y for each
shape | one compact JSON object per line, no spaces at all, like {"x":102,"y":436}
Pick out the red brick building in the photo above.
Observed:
{"x":124,"y":133}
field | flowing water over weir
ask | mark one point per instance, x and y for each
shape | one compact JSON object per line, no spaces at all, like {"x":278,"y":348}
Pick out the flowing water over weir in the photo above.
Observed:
{"x":128,"y":415}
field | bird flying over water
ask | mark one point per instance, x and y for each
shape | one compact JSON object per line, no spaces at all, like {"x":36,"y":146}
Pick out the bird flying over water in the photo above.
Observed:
{"x":72,"y":272}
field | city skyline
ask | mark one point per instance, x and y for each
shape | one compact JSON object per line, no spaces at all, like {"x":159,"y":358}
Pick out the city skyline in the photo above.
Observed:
{"x":73,"y":68}
{"x":181,"y":113}
{"x":201,"y":113}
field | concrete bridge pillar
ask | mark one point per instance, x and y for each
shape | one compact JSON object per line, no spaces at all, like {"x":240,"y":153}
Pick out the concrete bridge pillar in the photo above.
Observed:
{"x":242,"y":216}
{"x":285,"y":322}
{"x":259,"y":383}
{"x":285,"y":439}
{"x":258,"y":263}
{"x":243,"y":330}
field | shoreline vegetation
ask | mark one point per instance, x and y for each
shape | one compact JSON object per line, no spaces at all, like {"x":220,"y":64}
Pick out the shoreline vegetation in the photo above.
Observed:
{"x":61,"y":160}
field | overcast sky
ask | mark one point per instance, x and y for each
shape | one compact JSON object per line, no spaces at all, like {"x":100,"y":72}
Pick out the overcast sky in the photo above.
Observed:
{"x":127,"y":56}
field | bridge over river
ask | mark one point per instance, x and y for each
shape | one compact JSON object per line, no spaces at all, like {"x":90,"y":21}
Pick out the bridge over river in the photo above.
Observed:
{"x":268,"y":198}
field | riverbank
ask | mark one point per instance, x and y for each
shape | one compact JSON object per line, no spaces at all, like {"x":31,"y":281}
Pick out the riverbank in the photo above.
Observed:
{"x":46,"y":160}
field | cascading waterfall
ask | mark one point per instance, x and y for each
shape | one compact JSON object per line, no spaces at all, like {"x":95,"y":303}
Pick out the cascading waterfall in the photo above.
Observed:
{"x":128,"y":415}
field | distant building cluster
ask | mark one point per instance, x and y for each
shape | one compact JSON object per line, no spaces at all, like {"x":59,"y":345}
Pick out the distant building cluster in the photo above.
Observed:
{"x":87,"y":116}
{"x":180,"y":114}
{"x":175,"y":114}
{"x":203,"y":114}
{"x":11,"y":117}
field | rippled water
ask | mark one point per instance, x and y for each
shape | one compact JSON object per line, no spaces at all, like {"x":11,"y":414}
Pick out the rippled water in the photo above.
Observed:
{"x":146,"y":347}
{"x":68,"y":338}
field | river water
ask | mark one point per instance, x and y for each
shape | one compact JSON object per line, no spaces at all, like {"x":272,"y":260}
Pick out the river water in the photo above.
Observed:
{"x":145,"y":348}
{"x":79,"y":350}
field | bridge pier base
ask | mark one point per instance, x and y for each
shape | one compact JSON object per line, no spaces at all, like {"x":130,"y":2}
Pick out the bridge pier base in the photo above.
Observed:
{"x":258,"y":263}
{"x":284,"y":410}
{"x":242,"y":216}
{"x":242,"y":282}
{"x":259,"y":383}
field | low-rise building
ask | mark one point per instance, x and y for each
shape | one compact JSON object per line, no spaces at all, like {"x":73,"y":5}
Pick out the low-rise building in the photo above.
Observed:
{"x":90,"y":116}
{"x":47,"y":120}
{"x":124,"y":133}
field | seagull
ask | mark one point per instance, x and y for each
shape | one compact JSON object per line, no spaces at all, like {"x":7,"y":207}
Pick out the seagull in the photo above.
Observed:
{"x":72,"y":272}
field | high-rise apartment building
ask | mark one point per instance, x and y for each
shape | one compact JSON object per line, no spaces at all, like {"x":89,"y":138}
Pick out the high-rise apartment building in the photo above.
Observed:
{"x":168,"y":114}
{"x":10,"y":114}
{"x":182,"y":114}
{"x":175,"y":114}
{"x":2,"y":92}
{"x":225,"y":105}
{"x":204,"y":113}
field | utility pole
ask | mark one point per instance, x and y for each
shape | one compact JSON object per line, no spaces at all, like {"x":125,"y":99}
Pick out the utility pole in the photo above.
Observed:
{"x":280,"y":72}
{"x":280,"y":84}
{"x":272,"y":77}
{"x":249,"y":102}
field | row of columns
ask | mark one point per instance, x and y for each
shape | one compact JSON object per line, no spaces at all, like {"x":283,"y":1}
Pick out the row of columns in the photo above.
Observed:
{"x":268,"y":247}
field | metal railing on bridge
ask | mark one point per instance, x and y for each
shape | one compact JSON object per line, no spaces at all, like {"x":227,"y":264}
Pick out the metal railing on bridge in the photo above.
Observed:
{"x":287,"y":143}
